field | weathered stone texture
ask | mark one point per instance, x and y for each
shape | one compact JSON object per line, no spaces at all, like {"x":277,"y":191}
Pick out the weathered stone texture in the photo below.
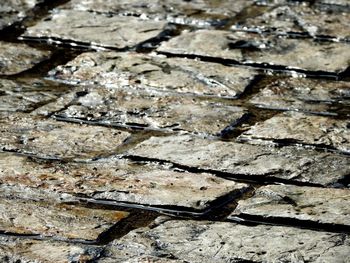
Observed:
{"x":15,"y":58}
{"x":98,"y":30}
{"x":287,"y":163}
{"x":270,"y":50}
{"x":55,"y":220}
{"x":152,"y":110}
{"x":201,"y":241}
{"x":116,"y":180}
{"x":154,"y":72}
{"x":303,"y":94}
{"x":321,"y":205}
{"x":301,"y":128}
{"x":48,"y":138}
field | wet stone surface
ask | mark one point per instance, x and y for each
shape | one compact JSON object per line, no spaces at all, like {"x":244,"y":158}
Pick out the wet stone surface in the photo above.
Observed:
{"x":266,"y":50}
{"x":151,"y":110}
{"x":93,"y":29}
{"x":116,"y":180}
{"x":15,"y":58}
{"x":51,"y":139}
{"x":144,"y":71}
{"x":248,"y":161}
{"x":195,"y":241}
{"x":320,"y":131}
{"x":322,"y":97}
{"x":320,"y":205}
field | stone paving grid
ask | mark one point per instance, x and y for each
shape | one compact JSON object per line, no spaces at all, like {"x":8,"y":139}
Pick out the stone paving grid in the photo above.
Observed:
{"x":197,"y":109}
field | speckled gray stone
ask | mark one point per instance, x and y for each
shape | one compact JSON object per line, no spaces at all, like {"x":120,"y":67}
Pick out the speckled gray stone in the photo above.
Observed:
{"x":312,"y":204}
{"x":301,"y":128}
{"x":96,"y":30}
{"x":249,"y":161}
{"x":143,"y":71}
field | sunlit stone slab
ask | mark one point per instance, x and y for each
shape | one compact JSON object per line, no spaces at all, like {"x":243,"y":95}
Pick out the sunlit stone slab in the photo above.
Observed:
{"x":249,"y":161}
{"x":99,"y":30}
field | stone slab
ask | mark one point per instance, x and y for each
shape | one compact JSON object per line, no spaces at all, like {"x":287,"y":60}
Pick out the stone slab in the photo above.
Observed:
{"x":202,"y":241}
{"x":319,"y":131}
{"x":151,"y":111}
{"x":96,"y":30}
{"x":287,"y":19}
{"x":25,"y":217}
{"x":52,"y":139}
{"x":250,"y":161}
{"x":115,"y":180}
{"x":311,"y":204}
{"x":144,"y":71}
{"x":17,"y":250}
{"x":28,"y":95}
{"x":15,"y":58}
{"x":198,"y":12}
{"x":316,"y":96}
{"x":263,"y":49}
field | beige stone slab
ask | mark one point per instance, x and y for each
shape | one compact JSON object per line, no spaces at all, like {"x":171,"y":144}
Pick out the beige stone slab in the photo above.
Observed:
{"x":48,"y":138}
{"x":152,"y":111}
{"x":320,"y":131}
{"x":312,"y":204}
{"x":249,"y":161}
{"x":317,"y":96}
{"x":144,"y":71}
{"x":55,"y":220}
{"x":97,"y":30}
{"x":202,"y":241}
{"x":268,"y":50}
{"x":28,"y":95}
{"x":114,"y":180}
{"x":15,"y":58}
{"x":15,"y":250}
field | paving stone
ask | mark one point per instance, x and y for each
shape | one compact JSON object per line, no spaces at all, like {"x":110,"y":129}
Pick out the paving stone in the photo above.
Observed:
{"x":198,"y":12}
{"x":287,"y":19}
{"x":12,"y":11}
{"x":15,"y":58}
{"x":266,"y":50}
{"x":152,"y":110}
{"x":201,"y":241}
{"x":115,"y":180}
{"x":313,"y":204}
{"x":157,"y":72}
{"x":28,"y":95}
{"x":97,"y":30}
{"x":308,"y":95}
{"x":297,"y":127}
{"x":249,"y":161}
{"x":16,"y":250}
{"x":55,"y":220}
{"x":48,"y":138}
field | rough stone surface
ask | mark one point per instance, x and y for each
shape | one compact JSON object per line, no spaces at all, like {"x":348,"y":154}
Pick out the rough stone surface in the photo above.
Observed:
{"x":57,"y":220}
{"x":287,"y":163}
{"x":321,"y":205}
{"x":201,"y":241}
{"x":27,"y":96}
{"x":94,"y":29}
{"x":152,"y":110}
{"x":301,"y":128}
{"x":271,"y":50}
{"x":13,"y":250}
{"x":15,"y":58}
{"x":52,"y":139}
{"x":198,"y":12}
{"x":304,"y":94}
{"x":156,"y":72}
{"x":116,"y":180}
{"x":287,"y":19}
